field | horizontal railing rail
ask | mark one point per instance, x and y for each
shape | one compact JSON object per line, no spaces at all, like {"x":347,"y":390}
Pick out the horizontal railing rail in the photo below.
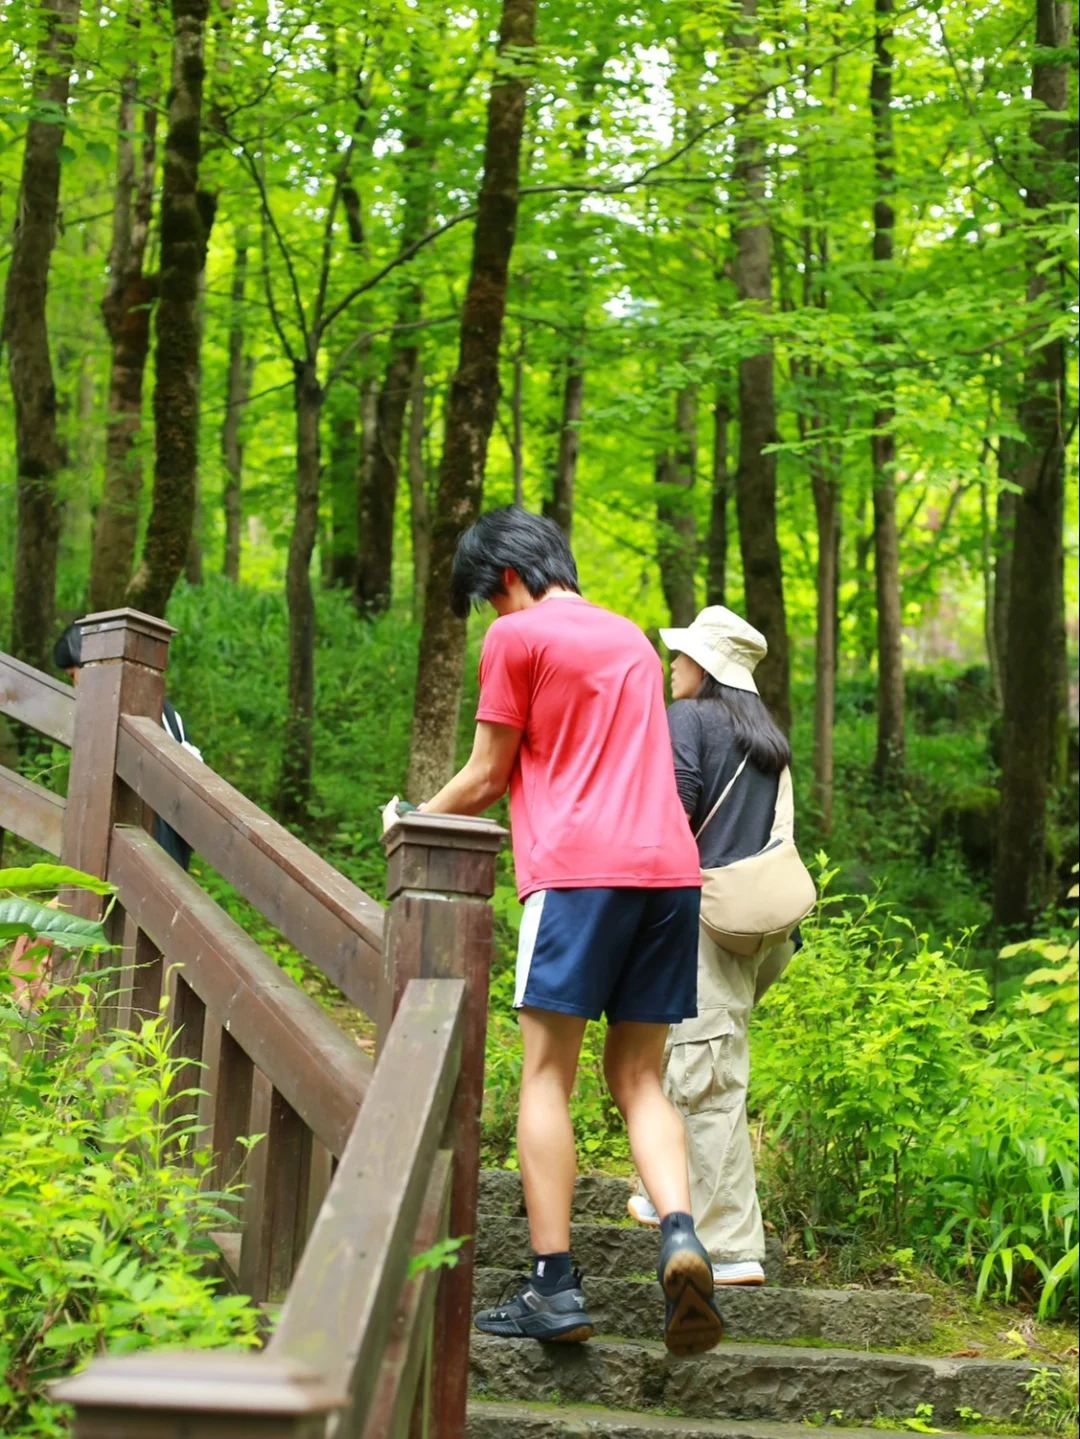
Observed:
{"x":308,"y":1058}
{"x":31,"y":811}
{"x":37,"y":700}
{"x":326,"y":917}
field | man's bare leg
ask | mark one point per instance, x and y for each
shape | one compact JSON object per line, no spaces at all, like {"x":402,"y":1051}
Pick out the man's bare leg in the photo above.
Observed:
{"x":633,"y":1062}
{"x":633,"y":1056}
{"x":546,"y":1153}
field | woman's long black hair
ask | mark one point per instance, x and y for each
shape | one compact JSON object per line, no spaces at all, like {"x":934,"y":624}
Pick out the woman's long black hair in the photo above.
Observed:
{"x":756,"y":732}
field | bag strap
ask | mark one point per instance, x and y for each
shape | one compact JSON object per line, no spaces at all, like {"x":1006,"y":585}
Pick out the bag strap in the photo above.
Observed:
{"x":727,"y":790}
{"x":783,"y":826}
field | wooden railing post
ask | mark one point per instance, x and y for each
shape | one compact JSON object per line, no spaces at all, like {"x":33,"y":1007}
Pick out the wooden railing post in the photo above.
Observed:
{"x":440,"y":876}
{"x":123,"y":654}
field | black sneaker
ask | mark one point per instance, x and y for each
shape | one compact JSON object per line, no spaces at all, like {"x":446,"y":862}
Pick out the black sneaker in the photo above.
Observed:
{"x":559,"y":1318}
{"x":692,"y":1322}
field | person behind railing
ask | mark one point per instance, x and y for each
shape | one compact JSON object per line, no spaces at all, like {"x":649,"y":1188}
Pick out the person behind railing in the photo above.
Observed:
{"x":730,"y":758}
{"x":571,"y":718}
{"x":67,"y":656}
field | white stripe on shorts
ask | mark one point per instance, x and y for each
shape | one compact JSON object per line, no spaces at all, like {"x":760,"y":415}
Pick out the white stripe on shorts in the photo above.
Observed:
{"x":530,"y":928}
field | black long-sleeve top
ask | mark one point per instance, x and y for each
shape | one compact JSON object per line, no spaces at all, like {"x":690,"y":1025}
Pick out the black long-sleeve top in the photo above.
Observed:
{"x":706,"y":757}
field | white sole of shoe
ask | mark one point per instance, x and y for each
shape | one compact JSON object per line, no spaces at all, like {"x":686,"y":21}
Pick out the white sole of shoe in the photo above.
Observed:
{"x":648,"y":1223}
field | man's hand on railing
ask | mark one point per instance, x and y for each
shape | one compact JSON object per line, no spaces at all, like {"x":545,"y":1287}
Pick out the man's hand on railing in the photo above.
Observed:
{"x":393,"y":811}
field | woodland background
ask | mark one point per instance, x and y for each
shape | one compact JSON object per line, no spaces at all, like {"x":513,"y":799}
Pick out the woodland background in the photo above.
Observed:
{"x":765,"y":302}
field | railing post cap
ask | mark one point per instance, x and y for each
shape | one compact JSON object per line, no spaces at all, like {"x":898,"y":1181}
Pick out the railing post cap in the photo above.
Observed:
{"x":444,"y":831}
{"x":200,"y":1382}
{"x":125,"y":634}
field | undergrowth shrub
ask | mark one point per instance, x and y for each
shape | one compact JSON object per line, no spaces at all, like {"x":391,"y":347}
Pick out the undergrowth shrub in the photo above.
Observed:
{"x":897,"y":1105}
{"x":104,"y":1223}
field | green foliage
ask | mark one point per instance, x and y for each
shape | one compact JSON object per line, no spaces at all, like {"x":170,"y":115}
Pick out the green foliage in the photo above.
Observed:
{"x":104,"y":1211}
{"x":443,"y":1255}
{"x":897,"y":1104}
{"x":1053,"y":1401}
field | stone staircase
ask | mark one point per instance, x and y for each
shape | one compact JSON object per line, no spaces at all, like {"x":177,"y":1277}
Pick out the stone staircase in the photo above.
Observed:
{"x":789,"y":1355}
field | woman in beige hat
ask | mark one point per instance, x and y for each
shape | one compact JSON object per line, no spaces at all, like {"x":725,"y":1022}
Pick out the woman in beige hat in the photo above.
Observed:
{"x":723,"y":738}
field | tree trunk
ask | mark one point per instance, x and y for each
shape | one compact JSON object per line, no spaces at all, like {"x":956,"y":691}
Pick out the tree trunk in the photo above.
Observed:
{"x":518,"y":421}
{"x":890,"y":736}
{"x":237,"y":389}
{"x":294,"y":788}
{"x":126,"y":308}
{"x":827,"y":510}
{"x":339,"y":568}
{"x":176,"y":323}
{"x":378,"y":495}
{"x":755,"y":480}
{"x":676,"y":537}
{"x":40,"y":455}
{"x":1033,"y":663}
{"x":193,"y":562}
{"x":471,"y":410}
{"x":560,"y":508}
{"x":562,"y":496}
{"x":717,"y":543}
{"x":419,"y":520}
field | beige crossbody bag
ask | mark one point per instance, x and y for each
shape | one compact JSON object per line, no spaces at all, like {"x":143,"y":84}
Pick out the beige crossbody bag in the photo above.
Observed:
{"x":751,"y":904}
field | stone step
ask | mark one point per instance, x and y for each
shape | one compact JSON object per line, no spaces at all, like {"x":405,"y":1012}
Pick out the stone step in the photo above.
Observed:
{"x":492,"y":1420}
{"x":634,"y":1309}
{"x":746,"y":1381}
{"x":611,"y":1251}
{"x":597,"y":1197}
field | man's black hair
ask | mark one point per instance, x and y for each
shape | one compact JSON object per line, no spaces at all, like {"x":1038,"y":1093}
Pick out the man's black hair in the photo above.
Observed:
{"x":67,"y":651}
{"x":510,"y":538}
{"x":756,"y":732}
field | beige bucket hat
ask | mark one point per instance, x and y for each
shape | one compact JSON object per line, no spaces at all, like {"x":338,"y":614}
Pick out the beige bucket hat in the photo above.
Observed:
{"x":723,"y":644}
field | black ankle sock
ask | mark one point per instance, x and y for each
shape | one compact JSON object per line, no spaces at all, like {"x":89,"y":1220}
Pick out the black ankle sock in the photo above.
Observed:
{"x":672,"y":1223}
{"x":550,"y":1271}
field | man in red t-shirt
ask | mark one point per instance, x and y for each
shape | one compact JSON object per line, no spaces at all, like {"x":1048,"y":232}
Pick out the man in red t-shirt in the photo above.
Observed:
{"x":571,"y":717}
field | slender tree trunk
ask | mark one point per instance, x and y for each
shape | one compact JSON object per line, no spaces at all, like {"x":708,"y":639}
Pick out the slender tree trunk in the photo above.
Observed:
{"x":193,"y":562}
{"x":126,"y":308}
{"x":339,"y":568}
{"x":378,"y":490}
{"x":419,"y":519}
{"x":517,"y":419}
{"x":827,"y":511}
{"x":40,"y":454}
{"x":294,"y":790}
{"x":755,"y":480}
{"x":176,"y":323}
{"x":1032,"y":668}
{"x":560,"y":506}
{"x":890,"y":738}
{"x":237,"y":389}
{"x":676,"y":538}
{"x":471,"y":410}
{"x":379,"y":486}
{"x":566,"y":460}
{"x":717,"y":543}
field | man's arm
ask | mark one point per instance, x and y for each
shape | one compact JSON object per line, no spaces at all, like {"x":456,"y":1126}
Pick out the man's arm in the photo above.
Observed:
{"x":483,"y":779}
{"x":485,"y":775}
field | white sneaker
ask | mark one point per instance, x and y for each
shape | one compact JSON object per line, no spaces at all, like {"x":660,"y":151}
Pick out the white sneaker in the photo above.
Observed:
{"x":747,"y":1271}
{"x":640,"y":1207}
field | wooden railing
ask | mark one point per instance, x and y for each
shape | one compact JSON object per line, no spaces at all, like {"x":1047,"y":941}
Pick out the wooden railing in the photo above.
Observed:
{"x":361,"y":1165}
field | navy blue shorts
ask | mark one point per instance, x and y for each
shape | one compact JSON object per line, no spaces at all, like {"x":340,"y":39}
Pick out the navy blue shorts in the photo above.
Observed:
{"x":627,"y":953}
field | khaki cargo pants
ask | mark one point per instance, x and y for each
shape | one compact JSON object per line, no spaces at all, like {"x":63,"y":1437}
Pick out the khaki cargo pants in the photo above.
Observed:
{"x":706,"y":1072}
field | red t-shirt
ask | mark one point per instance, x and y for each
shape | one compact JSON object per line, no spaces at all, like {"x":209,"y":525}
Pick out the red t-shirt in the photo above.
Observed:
{"x":593,"y":802}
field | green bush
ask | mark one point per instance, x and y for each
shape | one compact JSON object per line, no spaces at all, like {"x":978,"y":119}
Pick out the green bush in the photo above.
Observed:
{"x":104,"y":1217}
{"x":898,"y":1105}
